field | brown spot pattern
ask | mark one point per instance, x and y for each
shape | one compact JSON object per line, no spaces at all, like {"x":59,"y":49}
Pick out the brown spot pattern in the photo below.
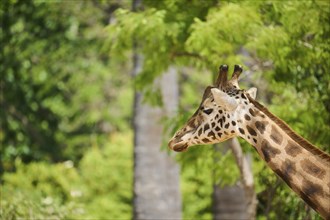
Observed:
{"x":276,"y":136}
{"x":311,"y":189}
{"x":200,"y":132}
{"x":247,"y":117}
{"x":261,"y":126}
{"x":268,"y":151}
{"x":288,"y":169}
{"x":310,"y":168}
{"x":292,"y":149}
{"x":252,"y":112}
{"x":251,"y":131}
{"x":206,"y":127}
{"x":211,"y":134}
{"x":205,"y":140}
{"x":191,"y":122}
{"x":241,"y":130}
{"x":220,"y":122}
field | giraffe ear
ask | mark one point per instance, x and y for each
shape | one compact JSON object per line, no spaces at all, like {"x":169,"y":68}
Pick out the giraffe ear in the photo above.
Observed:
{"x":222,"y":99}
{"x":252,"y":92}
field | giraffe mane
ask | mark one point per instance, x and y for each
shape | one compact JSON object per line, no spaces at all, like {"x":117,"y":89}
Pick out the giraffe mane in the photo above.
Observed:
{"x":297,"y":138}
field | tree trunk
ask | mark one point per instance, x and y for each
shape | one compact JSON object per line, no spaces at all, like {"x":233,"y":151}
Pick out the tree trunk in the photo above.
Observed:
{"x":244,"y":165}
{"x":238,"y":201}
{"x":229,"y":203}
{"x":156,"y":175}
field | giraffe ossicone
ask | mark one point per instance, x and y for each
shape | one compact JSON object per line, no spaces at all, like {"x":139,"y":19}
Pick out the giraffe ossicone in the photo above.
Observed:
{"x":226,"y":111}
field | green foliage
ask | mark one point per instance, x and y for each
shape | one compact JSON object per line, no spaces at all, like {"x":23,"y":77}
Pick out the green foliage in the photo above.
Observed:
{"x":142,"y":26}
{"x":65,"y":85}
{"x":95,"y":189}
{"x":196,"y":188}
{"x":222,"y":33}
{"x":309,"y":122}
{"x":41,"y":191}
{"x":59,"y":93}
{"x":107,"y":174}
{"x":160,"y":30}
{"x":295,"y":39}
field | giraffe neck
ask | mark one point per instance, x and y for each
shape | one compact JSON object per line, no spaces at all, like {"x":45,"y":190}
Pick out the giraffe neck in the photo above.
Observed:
{"x":304,"y":168}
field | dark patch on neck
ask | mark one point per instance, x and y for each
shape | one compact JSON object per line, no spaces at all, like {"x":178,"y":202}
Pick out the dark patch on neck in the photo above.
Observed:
{"x":308,"y":201}
{"x":292,"y":149}
{"x":288,"y":169}
{"x":276,"y":136}
{"x":206,"y":127}
{"x":251,"y":130}
{"x":313,"y":170}
{"x":261,"y":126}
{"x":311,"y":189}
{"x":268,"y":151}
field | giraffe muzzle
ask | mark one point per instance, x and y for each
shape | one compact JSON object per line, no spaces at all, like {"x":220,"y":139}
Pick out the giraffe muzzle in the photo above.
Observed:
{"x":178,"y":147}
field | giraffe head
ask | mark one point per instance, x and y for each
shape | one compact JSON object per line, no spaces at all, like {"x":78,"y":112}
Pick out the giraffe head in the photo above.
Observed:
{"x":217,"y":118}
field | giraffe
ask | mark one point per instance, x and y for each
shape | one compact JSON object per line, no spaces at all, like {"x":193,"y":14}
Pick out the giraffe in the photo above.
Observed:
{"x":226,"y":111}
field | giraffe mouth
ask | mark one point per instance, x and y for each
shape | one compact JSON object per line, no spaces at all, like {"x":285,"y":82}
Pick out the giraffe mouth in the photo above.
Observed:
{"x":178,"y":147}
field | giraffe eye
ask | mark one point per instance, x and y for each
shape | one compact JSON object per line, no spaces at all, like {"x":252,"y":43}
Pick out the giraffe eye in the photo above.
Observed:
{"x":208,"y":111}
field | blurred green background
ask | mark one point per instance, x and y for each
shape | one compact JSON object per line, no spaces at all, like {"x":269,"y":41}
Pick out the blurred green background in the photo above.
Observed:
{"x":67,"y":96}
